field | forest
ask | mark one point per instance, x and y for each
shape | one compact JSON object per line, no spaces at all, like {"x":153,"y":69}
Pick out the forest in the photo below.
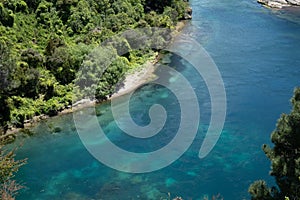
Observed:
{"x":44,"y":42}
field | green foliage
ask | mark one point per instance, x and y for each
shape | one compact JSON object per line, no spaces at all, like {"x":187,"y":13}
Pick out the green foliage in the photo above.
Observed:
{"x":93,"y":68}
{"x":16,"y":6}
{"x":260,"y":191}
{"x":32,"y":57}
{"x":26,"y":80}
{"x":178,"y":7}
{"x":80,"y":17}
{"x":155,"y":20}
{"x":22,"y":109}
{"x":8,"y":167}
{"x":53,"y":43}
{"x":7,"y":68}
{"x":157,"y":5}
{"x":64,"y":62}
{"x":111,"y":76}
{"x":120,"y":44}
{"x":48,"y":46}
{"x":64,"y":8}
{"x":44,"y":43}
{"x":4,"y":113}
{"x":44,"y":12}
{"x":160,"y":6}
{"x":32,"y":4}
{"x":285,"y":155}
{"x":6,"y":16}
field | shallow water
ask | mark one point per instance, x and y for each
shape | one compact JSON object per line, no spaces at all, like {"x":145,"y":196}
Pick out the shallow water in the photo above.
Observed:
{"x":257,"y":52}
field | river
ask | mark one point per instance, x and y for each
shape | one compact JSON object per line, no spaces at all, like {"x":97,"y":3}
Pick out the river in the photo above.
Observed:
{"x":257,"y":52}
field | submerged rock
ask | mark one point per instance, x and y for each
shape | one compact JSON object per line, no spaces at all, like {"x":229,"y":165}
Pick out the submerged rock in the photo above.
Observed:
{"x":27,"y":131}
{"x":279,"y":3}
{"x":57,"y":129}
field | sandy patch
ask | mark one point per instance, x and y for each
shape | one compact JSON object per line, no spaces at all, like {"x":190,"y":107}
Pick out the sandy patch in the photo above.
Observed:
{"x":134,"y":80}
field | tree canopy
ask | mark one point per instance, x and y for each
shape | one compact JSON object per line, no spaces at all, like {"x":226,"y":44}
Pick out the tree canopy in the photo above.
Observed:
{"x":43,"y":43}
{"x":284,"y":156}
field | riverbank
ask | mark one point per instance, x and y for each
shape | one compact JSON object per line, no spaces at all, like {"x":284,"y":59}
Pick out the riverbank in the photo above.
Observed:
{"x":133,"y":79}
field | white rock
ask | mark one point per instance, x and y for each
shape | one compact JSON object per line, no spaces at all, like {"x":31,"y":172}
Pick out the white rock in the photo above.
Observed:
{"x":273,"y":4}
{"x":279,"y":3}
{"x":294,"y":2}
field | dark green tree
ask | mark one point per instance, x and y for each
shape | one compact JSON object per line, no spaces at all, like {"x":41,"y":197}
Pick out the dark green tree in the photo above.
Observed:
{"x":111,"y":76}
{"x":284,"y":156}
{"x":32,"y":57}
{"x":16,"y":6}
{"x":7,"y":82}
{"x":64,"y":8}
{"x":80,"y":17}
{"x":6,"y":16}
{"x":32,"y":4}
{"x":43,"y":13}
{"x":156,"y":5}
{"x":92,"y":69}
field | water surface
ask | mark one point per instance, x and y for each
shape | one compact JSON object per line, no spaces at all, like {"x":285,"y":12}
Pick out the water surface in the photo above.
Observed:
{"x":257,"y":52}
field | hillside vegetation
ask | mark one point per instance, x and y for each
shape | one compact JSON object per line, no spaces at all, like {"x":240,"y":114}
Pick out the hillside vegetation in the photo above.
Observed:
{"x":44,"y":42}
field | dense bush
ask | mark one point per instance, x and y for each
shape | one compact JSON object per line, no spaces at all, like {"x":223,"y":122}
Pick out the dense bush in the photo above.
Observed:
{"x":43,"y":44}
{"x":6,"y":16}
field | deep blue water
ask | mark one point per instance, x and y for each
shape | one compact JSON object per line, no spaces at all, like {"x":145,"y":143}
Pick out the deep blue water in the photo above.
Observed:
{"x":258,"y":54}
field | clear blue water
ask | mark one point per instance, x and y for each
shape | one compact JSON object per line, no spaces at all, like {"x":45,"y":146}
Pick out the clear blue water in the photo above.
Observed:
{"x":258,"y":54}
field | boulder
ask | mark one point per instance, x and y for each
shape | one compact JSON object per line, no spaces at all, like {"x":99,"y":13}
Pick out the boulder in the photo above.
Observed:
{"x":279,"y":3}
{"x":188,"y":13}
{"x":294,"y":2}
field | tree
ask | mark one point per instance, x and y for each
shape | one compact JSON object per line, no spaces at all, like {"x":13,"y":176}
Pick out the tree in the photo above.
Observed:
{"x":6,"y":16}
{"x":64,"y":8}
{"x":32,"y":58}
{"x":32,"y":4}
{"x":284,"y":156}
{"x":16,"y":5}
{"x":111,"y":76}
{"x":47,"y":16}
{"x":44,"y":43}
{"x":8,"y":167}
{"x":26,"y":80}
{"x":65,"y":61}
{"x":7,"y":68}
{"x":92,"y":69}
{"x":157,"y":5}
{"x":80,"y":17}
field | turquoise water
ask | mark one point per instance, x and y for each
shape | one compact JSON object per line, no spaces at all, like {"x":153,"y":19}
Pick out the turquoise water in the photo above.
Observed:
{"x":257,"y":52}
